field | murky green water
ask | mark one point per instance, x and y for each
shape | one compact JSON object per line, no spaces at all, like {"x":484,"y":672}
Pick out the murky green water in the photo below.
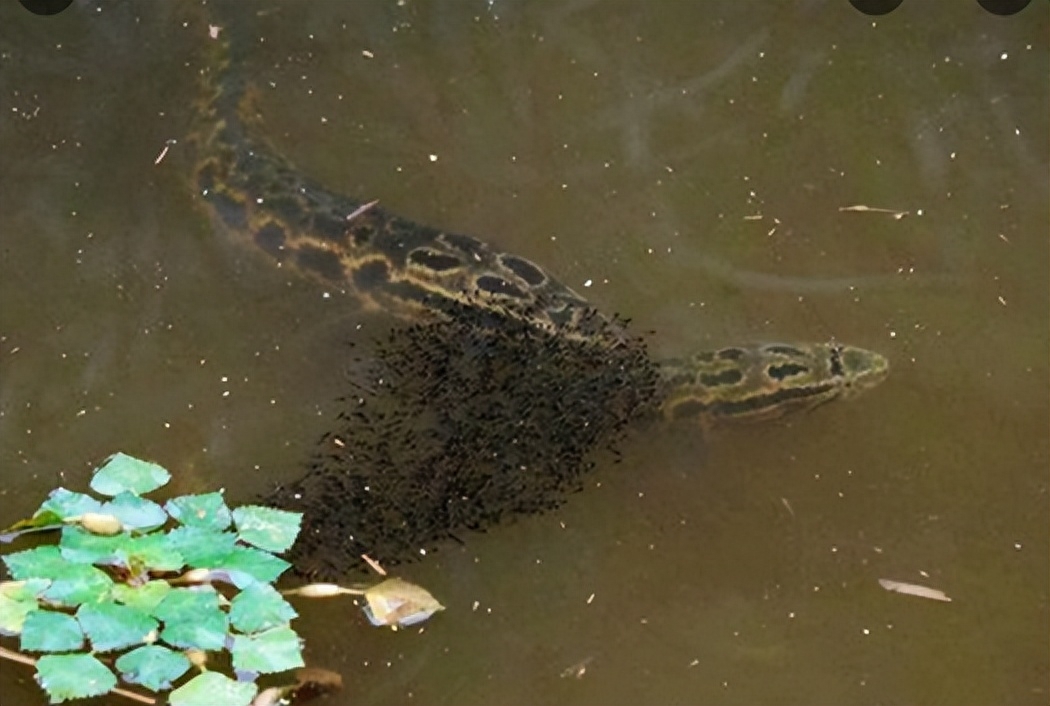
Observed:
{"x":691,"y":161}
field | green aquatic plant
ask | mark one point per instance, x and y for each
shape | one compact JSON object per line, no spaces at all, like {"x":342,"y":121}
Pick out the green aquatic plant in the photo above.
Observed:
{"x":136,"y":589}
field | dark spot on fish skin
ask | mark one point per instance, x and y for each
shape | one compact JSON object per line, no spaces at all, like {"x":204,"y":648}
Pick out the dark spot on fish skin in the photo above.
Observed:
{"x":270,"y":240}
{"x":361,"y":233}
{"x":689,"y":409}
{"x":731,"y":353}
{"x":323,"y":262}
{"x":726,"y":377}
{"x":329,"y":227}
{"x":233,"y":213}
{"x":782,"y":371}
{"x":498,"y":285}
{"x":286,"y":208}
{"x":206,"y":178}
{"x":408,"y":291}
{"x":439,"y":262}
{"x":464,"y":243}
{"x":529,"y":272}
{"x":785,"y":350}
{"x":371,"y":275}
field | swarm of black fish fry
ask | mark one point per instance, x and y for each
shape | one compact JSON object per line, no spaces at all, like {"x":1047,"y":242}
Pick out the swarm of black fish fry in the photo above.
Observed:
{"x":461,"y":424}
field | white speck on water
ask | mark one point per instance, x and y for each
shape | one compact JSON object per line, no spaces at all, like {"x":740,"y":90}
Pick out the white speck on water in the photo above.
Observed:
{"x":588,"y":283}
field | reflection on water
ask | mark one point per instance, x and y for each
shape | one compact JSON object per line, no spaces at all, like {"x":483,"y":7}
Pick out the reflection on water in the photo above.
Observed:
{"x":689,"y":161}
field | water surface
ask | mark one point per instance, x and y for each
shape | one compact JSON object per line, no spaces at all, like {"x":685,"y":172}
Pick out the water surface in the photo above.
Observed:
{"x":684,"y":164}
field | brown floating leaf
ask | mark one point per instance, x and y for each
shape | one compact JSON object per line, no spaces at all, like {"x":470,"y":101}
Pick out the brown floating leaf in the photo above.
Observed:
{"x":396,"y":602}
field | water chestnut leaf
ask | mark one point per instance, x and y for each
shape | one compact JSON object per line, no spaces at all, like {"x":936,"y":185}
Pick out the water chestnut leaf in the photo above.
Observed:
{"x":66,"y":503}
{"x":266,"y":527}
{"x":199,"y":546}
{"x":207,"y":510}
{"x":246,"y":565}
{"x":122,"y":473}
{"x":79,"y":546}
{"x":136,"y":513}
{"x":111,"y":626}
{"x":76,"y":584}
{"x":13,"y":613}
{"x":260,"y":607}
{"x":268,"y":652}
{"x":145,"y":597}
{"x":39,"y":562}
{"x":51,"y":631}
{"x":66,"y":677}
{"x":192,"y":619}
{"x":152,"y":666}
{"x":211,"y":688}
{"x":18,"y":599}
{"x":152,"y":552}
{"x":23,"y":590}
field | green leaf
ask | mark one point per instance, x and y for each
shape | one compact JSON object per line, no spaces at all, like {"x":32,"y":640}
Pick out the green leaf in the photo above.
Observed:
{"x":23,"y":590}
{"x":247,"y":565}
{"x":73,"y":677}
{"x":152,"y":552}
{"x":71,"y":584}
{"x":17,"y":600}
{"x":51,"y":631}
{"x":275,"y":650}
{"x":39,"y":562}
{"x":136,"y":513}
{"x":120,"y":473}
{"x":145,"y":597}
{"x":211,"y":688}
{"x":76,"y":584}
{"x":153,"y":666}
{"x":66,"y":503}
{"x":182,"y":602}
{"x":266,"y":527}
{"x":192,"y":618}
{"x":13,"y":614}
{"x":260,"y":607}
{"x":207,"y":510}
{"x":79,"y":546}
{"x":201,"y":547}
{"x":111,"y":626}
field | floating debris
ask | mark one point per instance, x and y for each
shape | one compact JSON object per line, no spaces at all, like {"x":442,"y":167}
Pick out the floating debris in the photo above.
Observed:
{"x":398,"y":603}
{"x":913,"y":589}
{"x":860,"y":208}
{"x":374,"y":565}
{"x":577,"y":670}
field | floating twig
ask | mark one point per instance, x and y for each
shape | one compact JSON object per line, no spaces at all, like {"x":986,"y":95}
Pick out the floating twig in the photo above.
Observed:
{"x":860,"y":208}
{"x":913,"y":589}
